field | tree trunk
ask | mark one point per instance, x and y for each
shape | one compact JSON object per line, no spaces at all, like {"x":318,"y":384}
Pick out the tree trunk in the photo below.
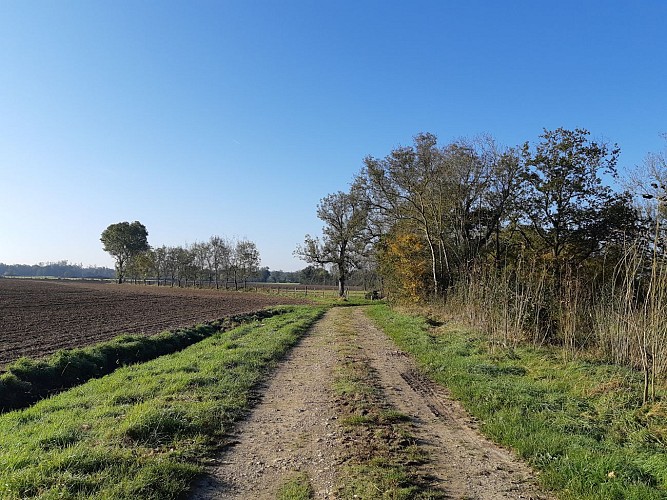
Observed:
{"x":434,"y":263}
{"x":341,"y":280}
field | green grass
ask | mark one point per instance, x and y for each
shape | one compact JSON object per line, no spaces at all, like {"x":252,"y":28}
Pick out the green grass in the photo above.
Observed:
{"x":146,"y":430}
{"x":297,"y":487}
{"x":580,"y":423}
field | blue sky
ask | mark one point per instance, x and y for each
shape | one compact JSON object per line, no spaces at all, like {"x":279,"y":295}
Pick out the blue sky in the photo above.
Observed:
{"x":235,"y":118}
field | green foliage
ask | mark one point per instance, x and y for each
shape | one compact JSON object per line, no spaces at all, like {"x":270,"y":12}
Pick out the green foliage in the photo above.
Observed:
{"x":581,"y":424}
{"x":143,"y":431}
{"x":571,"y":210}
{"x":123,"y":241}
{"x":454,"y":198}
{"x":297,"y":487}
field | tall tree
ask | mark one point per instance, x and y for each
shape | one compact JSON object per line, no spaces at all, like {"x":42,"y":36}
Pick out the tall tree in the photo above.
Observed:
{"x":456,"y":197}
{"x":123,"y":241}
{"x":408,"y":185}
{"x":202,"y":258}
{"x":344,"y":236}
{"x":159,"y":259}
{"x":220,"y":258}
{"x":570,"y":209}
{"x":247,"y":259}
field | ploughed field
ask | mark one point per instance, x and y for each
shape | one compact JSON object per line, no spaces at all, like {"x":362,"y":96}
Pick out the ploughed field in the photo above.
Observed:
{"x":39,"y":317}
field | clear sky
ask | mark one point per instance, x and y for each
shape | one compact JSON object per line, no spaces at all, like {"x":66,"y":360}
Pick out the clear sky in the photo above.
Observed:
{"x":234,"y":118}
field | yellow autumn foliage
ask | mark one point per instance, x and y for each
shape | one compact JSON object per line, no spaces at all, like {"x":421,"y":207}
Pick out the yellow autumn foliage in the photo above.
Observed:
{"x":404,"y":266}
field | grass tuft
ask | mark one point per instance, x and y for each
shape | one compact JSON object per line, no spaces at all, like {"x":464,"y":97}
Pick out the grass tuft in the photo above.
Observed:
{"x":297,"y":487}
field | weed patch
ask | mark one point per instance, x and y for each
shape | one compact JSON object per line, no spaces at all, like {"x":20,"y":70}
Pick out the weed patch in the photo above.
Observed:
{"x":297,"y":487}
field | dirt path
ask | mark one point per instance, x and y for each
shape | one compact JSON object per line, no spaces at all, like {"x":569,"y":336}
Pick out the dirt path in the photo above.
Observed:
{"x":292,"y":429}
{"x":295,"y":427}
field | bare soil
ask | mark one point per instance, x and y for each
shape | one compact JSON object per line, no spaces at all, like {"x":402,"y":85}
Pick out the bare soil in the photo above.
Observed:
{"x":296,"y":426}
{"x":38,"y":317}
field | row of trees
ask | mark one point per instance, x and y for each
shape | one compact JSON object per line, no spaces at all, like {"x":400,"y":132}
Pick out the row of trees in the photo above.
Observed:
{"x":216,"y":262}
{"x":538,"y":240}
{"x":471,"y":201}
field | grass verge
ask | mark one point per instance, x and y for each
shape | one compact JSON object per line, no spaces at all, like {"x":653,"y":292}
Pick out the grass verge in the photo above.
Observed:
{"x":382,"y":454}
{"x":146,"y":430}
{"x":29,"y":380}
{"x":580,"y":423}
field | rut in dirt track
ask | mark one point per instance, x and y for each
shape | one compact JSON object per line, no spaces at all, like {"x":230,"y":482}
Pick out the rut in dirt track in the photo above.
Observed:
{"x":295,"y":427}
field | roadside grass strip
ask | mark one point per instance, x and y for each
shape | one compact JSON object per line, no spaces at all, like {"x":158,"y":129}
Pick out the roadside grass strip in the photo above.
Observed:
{"x":580,"y":423}
{"x":382,"y":454}
{"x":146,"y":430}
{"x":29,"y":380}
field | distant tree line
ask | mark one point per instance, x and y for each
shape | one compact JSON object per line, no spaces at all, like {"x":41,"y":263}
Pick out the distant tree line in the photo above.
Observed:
{"x":310,"y":275}
{"x":218,"y":262}
{"x":60,"y":269}
{"x":316,"y":275}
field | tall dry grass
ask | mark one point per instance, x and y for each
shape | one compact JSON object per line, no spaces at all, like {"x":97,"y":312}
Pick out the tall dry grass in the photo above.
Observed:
{"x":621,"y":317}
{"x":511,"y":304}
{"x":631,"y":321}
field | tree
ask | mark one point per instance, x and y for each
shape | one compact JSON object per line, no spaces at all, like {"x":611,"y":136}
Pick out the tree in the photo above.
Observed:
{"x":404,"y":264}
{"x":456,"y":197}
{"x":185,"y":265}
{"x":407,"y":185}
{"x":247,"y":259}
{"x":565,"y":201}
{"x":202,"y":253}
{"x":344,"y":234}
{"x":159,"y":259}
{"x":139,"y":266}
{"x":648,"y":183}
{"x":123,"y":241}
{"x":220,"y":258}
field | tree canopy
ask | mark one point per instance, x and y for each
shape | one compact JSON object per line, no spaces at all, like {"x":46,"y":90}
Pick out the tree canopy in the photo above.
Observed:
{"x":344,"y":234}
{"x":123,"y":241}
